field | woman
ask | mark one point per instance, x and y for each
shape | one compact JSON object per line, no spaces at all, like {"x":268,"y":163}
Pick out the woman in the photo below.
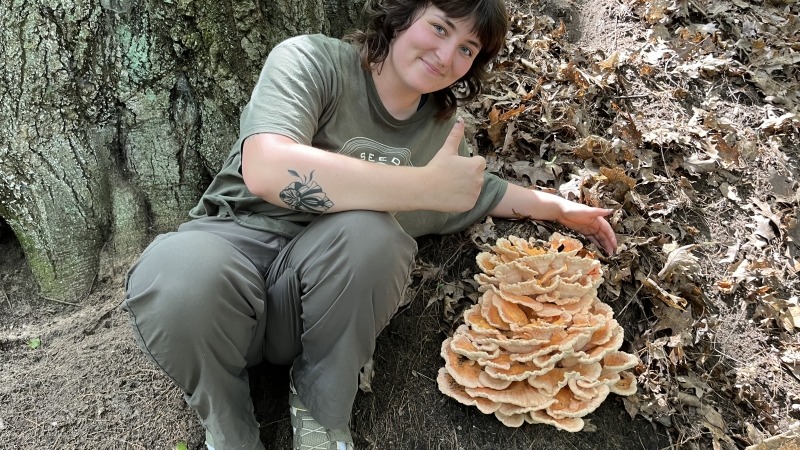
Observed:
{"x":302,"y":245}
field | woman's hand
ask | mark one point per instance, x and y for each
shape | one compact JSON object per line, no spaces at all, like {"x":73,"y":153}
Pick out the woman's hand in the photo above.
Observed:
{"x":454,"y":182}
{"x":591,"y":223}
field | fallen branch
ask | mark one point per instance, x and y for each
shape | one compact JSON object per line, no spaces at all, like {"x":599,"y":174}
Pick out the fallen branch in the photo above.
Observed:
{"x":60,"y":301}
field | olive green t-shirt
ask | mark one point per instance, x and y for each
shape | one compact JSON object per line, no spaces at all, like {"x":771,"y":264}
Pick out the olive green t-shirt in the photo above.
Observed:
{"x":313,"y":89}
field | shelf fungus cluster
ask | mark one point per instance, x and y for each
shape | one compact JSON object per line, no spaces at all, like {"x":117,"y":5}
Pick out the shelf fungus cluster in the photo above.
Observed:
{"x":539,"y":346}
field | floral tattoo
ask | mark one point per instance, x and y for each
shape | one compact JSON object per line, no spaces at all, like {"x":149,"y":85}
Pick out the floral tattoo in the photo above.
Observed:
{"x":305,"y":195}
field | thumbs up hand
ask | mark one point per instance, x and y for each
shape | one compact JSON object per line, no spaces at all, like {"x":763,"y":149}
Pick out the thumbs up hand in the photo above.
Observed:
{"x":454,"y":182}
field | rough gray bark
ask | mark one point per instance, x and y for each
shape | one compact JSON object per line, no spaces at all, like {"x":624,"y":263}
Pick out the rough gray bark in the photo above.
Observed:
{"x":114,"y":116}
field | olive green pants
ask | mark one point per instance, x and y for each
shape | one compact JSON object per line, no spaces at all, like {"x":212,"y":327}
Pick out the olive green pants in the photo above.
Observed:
{"x":214,"y":298}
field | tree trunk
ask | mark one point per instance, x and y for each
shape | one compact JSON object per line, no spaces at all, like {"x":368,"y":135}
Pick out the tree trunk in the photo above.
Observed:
{"x":115,"y":115}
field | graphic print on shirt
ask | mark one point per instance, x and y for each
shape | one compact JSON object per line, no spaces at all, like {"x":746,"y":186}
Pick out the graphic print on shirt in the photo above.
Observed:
{"x":367,"y":149}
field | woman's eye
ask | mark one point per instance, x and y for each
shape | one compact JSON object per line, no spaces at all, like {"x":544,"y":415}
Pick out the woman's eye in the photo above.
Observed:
{"x":439,"y":29}
{"x":466,"y":51}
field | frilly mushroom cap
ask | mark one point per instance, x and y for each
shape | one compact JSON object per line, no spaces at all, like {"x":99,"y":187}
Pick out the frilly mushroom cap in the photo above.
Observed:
{"x":508,"y":312}
{"x":626,"y":384}
{"x":493,"y":383}
{"x":559,"y":377}
{"x":476,"y":322}
{"x":565,"y":244}
{"x":516,"y":371}
{"x":510,"y":420}
{"x":517,"y":393}
{"x":463,"y":345}
{"x":540,"y":264}
{"x":451,"y":388}
{"x":487,"y":262}
{"x":526,"y":247}
{"x":619,"y":361}
{"x":464,"y":371}
{"x":539,"y":346}
{"x":571,"y":424}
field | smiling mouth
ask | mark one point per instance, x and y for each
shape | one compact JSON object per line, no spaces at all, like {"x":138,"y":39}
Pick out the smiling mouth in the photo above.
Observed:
{"x":433,"y":68}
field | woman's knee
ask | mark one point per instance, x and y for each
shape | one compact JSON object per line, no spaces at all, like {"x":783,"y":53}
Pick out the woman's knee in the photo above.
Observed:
{"x":186,"y":281}
{"x":358,"y":261}
{"x":371,"y":239}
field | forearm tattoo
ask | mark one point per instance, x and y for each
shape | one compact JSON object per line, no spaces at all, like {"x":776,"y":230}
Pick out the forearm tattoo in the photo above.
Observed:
{"x":305,"y":195}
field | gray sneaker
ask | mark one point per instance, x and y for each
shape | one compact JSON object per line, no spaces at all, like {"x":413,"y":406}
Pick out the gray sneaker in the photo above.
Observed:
{"x":309,"y":435}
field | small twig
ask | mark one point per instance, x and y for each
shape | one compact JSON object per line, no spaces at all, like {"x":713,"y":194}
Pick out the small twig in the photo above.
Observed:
{"x":274,"y":422}
{"x":663,"y":158}
{"x":671,"y":442}
{"x":60,"y":301}
{"x":8,"y":300}
{"x":415,"y":373}
{"x":528,"y":65}
{"x":91,"y":285}
{"x":700,"y":10}
{"x":634,"y":296}
{"x":634,"y":96}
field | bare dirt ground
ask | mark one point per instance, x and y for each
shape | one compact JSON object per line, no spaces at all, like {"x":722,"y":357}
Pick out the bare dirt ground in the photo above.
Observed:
{"x":682,"y":116}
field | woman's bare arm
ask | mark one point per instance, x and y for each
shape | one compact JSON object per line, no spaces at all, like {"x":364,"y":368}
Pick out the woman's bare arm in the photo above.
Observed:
{"x":286,"y":173}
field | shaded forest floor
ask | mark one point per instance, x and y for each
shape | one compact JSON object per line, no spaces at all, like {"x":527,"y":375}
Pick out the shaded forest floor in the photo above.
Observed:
{"x":682,"y":116}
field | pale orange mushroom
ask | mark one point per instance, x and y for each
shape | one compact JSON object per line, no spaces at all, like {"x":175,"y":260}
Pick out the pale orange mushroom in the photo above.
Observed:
{"x":539,"y":346}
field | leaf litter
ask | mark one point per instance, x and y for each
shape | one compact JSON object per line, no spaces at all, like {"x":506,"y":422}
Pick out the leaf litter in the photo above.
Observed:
{"x":682,"y":116}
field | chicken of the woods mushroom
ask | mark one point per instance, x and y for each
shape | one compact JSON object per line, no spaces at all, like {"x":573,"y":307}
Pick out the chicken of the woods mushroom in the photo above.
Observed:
{"x":539,"y":346}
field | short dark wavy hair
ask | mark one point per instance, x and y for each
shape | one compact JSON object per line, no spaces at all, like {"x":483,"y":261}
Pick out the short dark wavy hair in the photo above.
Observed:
{"x":389,"y":17}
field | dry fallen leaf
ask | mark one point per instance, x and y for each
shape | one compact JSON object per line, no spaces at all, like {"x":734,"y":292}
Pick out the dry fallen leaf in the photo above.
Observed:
{"x":673,"y":319}
{"x":679,"y":261}
{"x":662,"y":294}
{"x":482,"y":233}
{"x":536,"y":172}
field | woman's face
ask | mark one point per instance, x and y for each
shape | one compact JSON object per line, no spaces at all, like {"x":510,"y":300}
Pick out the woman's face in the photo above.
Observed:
{"x":433,"y":53}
